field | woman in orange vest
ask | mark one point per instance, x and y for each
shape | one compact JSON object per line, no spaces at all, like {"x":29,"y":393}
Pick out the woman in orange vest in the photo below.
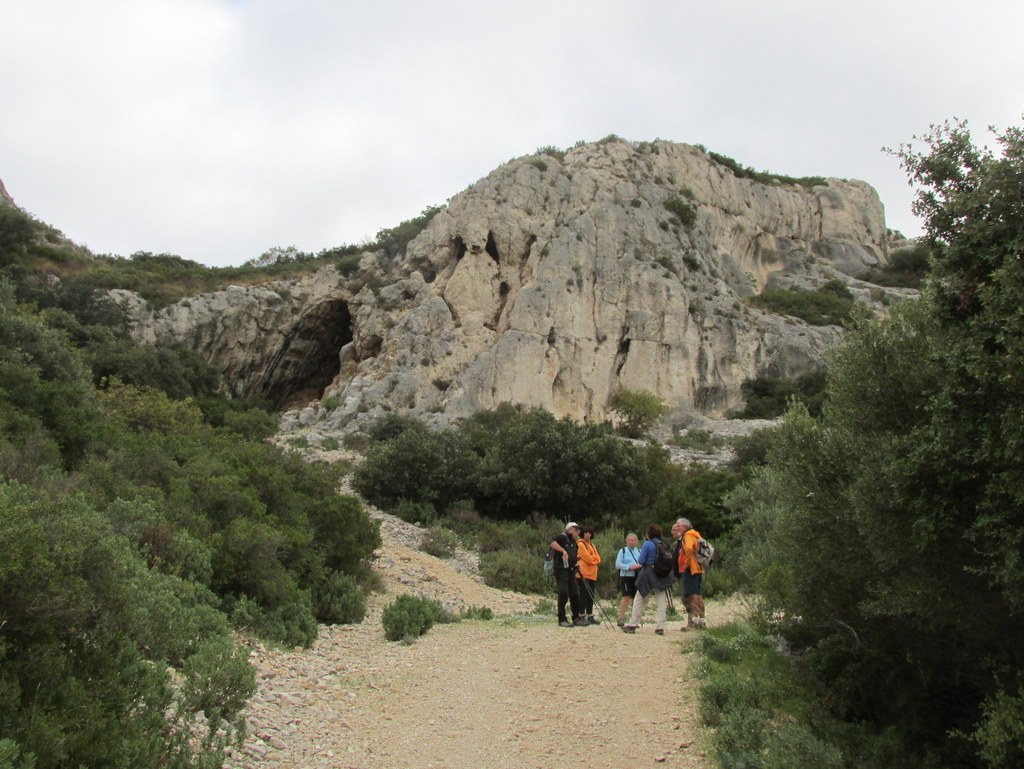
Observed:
{"x":691,"y":575}
{"x":586,"y":564}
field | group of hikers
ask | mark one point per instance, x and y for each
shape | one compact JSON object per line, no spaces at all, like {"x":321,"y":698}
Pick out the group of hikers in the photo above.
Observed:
{"x":642,"y":573}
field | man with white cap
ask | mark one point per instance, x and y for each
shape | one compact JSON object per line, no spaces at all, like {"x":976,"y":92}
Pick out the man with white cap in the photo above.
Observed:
{"x":564,"y":555}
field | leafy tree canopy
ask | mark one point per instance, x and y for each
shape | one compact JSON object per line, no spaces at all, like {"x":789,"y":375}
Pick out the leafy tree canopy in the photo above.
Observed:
{"x":889,"y":534}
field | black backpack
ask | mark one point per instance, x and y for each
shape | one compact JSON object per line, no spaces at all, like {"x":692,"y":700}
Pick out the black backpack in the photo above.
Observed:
{"x":663,"y":560}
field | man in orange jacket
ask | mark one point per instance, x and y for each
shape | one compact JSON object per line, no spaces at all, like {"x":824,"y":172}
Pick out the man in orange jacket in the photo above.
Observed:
{"x":691,"y":575}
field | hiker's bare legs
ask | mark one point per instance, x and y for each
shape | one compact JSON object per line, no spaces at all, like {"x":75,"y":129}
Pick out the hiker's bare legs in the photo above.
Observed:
{"x":624,"y":607}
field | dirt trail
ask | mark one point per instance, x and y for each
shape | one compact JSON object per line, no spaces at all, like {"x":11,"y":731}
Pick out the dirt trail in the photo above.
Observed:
{"x":516,"y":691}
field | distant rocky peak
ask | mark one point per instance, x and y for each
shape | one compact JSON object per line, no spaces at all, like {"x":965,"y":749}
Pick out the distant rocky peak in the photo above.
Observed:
{"x":554,"y":281}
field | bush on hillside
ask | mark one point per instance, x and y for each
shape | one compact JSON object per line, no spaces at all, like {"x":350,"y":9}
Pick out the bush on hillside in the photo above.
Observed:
{"x":510,"y":464}
{"x":340,"y":601}
{"x":518,"y":570}
{"x":89,"y":631}
{"x":830,"y":305}
{"x":638,"y":410}
{"x":409,"y":617}
{"x":907,"y":268}
{"x":439,"y":542}
{"x":752,"y":450}
{"x":768,"y":397}
{"x":683,"y":211}
{"x":764,"y":714}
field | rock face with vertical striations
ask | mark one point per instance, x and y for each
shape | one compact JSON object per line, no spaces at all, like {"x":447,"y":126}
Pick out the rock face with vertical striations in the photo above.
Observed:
{"x":553,"y":282}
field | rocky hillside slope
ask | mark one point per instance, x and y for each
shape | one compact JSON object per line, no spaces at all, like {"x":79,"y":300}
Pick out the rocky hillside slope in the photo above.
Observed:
{"x":554,"y":282}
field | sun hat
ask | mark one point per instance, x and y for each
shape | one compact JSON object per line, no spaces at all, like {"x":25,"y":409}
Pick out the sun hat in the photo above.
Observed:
{"x":570,"y":524}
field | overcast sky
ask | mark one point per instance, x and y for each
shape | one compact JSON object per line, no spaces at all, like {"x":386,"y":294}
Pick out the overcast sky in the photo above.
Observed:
{"x":217,"y":129}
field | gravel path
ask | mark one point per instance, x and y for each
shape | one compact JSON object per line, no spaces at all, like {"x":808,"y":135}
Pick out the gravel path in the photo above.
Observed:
{"x":516,"y":691}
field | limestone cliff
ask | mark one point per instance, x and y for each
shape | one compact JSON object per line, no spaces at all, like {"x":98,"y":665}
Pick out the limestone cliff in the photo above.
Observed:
{"x":551,"y":282}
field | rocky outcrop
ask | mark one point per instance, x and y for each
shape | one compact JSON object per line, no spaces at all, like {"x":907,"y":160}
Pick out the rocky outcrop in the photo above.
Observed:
{"x":552,"y":282}
{"x":278,"y":341}
{"x":5,"y":196}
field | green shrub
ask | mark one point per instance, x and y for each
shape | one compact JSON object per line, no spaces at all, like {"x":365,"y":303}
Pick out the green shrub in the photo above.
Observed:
{"x":724,"y":693}
{"x":752,"y":449}
{"x":544,"y":606}
{"x":348,"y":264}
{"x":764,"y":177}
{"x":413,"y":463}
{"x":253,"y":424}
{"x":790,"y":744}
{"x":698,"y":492}
{"x":415,"y":512}
{"x":493,"y":536}
{"x":11,"y":756}
{"x":330,"y":443}
{"x":666,"y":261}
{"x":477,"y":612}
{"x":409,"y":617}
{"x":355,"y":441}
{"x":538,"y":164}
{"x":518,"y":570}
{"x":638,"y":410}
{"x":768,"y":397}
{"x":439,"y":542}
{"x":290,"y":622}
{"x":683,"y":211}
{"x":551,"y":151}
{"x":907,"y":268}
{"x":765,"y":712}
{"x":828,"y":306}
{"x":697,"y":440}
{"x":739,"y":738}
{"x":218,"y":680}
{"x":393,"y":241}
{"x":1000,"y":734}
{"x":340,"y":601}
{"x":89,"y":633}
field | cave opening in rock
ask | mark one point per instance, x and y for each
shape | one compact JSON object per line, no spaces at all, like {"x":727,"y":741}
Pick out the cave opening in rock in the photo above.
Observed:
{"x":458,"y":248}
{"x":492,"y":248}
{"x":308,"y":359}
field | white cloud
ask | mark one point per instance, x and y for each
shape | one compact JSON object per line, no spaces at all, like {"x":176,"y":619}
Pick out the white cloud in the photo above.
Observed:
{"x":216,"y":130}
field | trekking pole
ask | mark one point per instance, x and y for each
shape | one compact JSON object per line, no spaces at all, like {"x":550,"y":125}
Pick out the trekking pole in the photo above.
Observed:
{"x":597,"y":603}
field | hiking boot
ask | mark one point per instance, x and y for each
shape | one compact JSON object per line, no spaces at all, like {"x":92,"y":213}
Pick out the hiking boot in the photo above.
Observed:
{"x":564,"y":623}
{"x":580,"y":622}
{"x":659,"y":631}
{"x":621,"y":623}
{"x":594,"y":621}
{"x":629,"y":628}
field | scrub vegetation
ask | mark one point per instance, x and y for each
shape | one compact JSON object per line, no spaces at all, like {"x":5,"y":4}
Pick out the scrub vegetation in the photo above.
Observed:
{"x":884,"y":538}
{"x":144,"y":517}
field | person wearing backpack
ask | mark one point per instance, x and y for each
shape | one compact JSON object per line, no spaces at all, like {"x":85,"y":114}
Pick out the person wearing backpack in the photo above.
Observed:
{"x":565,"y":558}
{"x":655,"y":577}
{"x":588,"y":560}
{"x":628,"y":564}
{"x":691,"y":574}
